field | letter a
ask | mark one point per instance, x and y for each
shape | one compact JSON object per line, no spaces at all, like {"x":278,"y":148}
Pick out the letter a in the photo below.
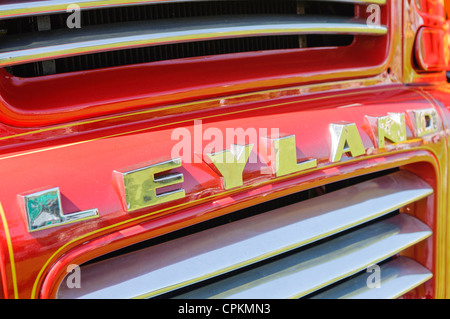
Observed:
{"x":74,"y":279}
{"x":74,"y":19}
{"x":345,"y":138}
{"x":374,"y":280}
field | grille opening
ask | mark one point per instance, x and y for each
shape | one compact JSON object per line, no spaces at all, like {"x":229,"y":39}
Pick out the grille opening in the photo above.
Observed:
{"x":174,"y":294}
{"x":339,"y":282}
{"x":247,"y":212}
{"x":165,"y":11}
{"x":176,"y":51}
{"x":285,"y":248}
{"x":181,"y":10}
{"x":217,"y":49}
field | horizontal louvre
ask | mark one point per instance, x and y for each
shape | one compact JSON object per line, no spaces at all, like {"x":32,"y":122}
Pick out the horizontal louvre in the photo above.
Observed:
{"x":49,"y":7}
{"x":302,"y":273}
{"x":180,"y":262}
{"x":67,"y":43}
{"x":52,"y":45}
{"x":397,"y":277}
{"x":36,"y":39}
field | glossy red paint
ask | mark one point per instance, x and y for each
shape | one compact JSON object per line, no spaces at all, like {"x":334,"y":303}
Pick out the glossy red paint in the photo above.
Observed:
{"x":431,"y":44}
{"x":25,"y":102}
{"x":75,"y":141}
{"x":432,"y":12}
{"x":419,"y":15}
{"x":87,"y":163}
{"x":429,"y":50}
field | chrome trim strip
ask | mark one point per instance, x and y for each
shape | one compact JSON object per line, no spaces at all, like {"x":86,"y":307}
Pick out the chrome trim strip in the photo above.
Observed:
{"x":8,"y":11}
{"x":165,"y":267}
{"x":299,"y":274}
{"x":63,"y":43}
{"x":397,"y":277}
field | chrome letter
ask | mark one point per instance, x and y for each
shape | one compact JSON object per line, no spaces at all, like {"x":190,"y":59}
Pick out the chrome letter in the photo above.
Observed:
{"x":345,"y":138}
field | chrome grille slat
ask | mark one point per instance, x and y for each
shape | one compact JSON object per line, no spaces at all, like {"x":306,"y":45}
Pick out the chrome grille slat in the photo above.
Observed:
{"x":64,"y":43}
{"x":209,"y":253}
{"x":54,"y":6}
{"x":302,"y":273}
{"x":396,"y":278}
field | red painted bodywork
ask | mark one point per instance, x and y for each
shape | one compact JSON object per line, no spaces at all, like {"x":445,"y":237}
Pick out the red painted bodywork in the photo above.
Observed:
{"x":156,"y":85}
{"x":75,"y":136}
{"x":87,"y":163}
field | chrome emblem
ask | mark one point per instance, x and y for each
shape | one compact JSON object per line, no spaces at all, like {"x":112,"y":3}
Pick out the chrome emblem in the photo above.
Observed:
{"x":391,"y":127}
{"x":345,"y":138}
{"x":43,"y":210}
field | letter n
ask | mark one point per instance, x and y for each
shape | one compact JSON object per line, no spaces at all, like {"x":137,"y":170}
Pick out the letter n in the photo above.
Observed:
{"x":391,"y":127}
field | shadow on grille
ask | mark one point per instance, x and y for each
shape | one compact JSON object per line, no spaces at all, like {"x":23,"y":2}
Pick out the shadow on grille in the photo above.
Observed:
{"x":54,"y":25}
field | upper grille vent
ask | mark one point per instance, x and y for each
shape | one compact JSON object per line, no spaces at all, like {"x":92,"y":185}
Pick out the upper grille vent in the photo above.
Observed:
{"x":36,"y":40}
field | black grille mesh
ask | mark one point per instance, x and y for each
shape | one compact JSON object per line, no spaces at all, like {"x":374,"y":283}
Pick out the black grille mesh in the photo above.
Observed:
{"x":175,"y":51}
{"x":180,"y":50}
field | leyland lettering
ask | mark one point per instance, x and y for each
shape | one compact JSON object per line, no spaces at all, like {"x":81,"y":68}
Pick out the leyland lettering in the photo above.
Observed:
{"x":224,"y":149}
{"x":139,"y":186}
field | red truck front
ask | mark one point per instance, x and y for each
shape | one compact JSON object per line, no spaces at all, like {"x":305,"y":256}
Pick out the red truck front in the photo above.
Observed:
{"x":224,"y":149}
